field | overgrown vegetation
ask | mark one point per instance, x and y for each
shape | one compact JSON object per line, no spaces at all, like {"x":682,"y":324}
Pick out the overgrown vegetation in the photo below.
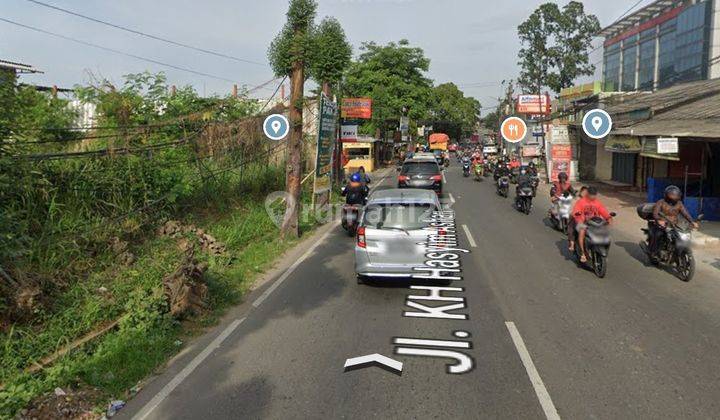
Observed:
{"x":68,"y":196}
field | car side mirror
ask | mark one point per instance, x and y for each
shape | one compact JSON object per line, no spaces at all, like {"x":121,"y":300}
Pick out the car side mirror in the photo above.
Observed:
{"x":613,"y":214}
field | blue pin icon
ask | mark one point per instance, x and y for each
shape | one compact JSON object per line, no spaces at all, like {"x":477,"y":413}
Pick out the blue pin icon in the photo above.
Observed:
{"x":597,"y":124}
{"x":276,"y":127}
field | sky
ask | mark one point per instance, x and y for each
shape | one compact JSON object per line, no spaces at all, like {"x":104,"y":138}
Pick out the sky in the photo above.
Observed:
{"x":472,"y":43}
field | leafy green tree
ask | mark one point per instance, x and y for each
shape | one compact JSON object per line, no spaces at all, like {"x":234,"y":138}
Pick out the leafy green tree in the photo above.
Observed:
{"x":536,"y":55}
{"x":450,"y":106}
{"x":575,"y":30}
{"x":331,"y":53}
{"x":289,"y":55}
{"x":393,"y":75}
{"x":555,"y":44}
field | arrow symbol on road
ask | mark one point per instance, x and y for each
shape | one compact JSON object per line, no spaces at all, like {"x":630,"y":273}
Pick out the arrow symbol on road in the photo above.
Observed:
{"x":383,"y":362}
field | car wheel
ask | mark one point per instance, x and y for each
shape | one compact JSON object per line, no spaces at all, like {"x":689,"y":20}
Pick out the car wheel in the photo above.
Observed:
{"x":361,"y":279}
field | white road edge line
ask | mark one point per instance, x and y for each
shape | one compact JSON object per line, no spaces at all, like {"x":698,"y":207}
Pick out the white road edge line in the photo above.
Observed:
{"x":452,"y":199}
{"x":444,"y":180}
{"x":537,"y":383}
{"x":194,"y":363}
{"x":290,"y":270}
{"x":177,"y":380}
{"x":469,"y":236}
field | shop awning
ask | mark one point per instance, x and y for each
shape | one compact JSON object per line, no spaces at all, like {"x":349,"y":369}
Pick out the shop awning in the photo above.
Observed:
{"x":623,"y":144}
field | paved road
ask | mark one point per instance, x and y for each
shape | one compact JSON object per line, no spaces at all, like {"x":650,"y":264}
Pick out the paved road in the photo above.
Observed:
{"x":638,"y":344}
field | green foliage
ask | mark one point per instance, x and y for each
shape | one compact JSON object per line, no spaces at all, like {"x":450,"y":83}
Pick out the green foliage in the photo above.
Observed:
{"x":393,"y":75}
{"x":555,"y":44}
{"x":331,"y":53}
{"x":450,"y":106}
{"x":295,"y":41}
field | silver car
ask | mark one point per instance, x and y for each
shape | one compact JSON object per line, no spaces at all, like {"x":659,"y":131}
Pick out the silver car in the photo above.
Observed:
{"x":391,"y":236}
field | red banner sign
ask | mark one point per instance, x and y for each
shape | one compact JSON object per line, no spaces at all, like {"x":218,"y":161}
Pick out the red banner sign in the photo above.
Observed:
{"x":561,"y":158}
{"x":356,"y":108}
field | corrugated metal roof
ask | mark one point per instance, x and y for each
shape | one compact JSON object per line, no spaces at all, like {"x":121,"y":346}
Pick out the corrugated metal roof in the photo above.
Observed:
{"x":23,"y":68}
{"x":689,"y":110}
{"x":662,"y":99}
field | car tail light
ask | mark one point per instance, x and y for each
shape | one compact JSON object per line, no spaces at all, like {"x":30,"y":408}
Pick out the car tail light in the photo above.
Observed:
{"x":361,"y":237}
{"x":403,"y":178}
{"x":436,"y":178}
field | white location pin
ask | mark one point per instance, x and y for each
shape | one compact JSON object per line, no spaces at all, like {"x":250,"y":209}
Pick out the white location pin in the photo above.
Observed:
{"x":275,"y":125}
{"x":597,"y":122}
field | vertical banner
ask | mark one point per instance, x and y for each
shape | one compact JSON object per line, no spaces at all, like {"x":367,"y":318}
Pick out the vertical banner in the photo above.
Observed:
{"x":327,"y":129}
{"x":561,"y":159}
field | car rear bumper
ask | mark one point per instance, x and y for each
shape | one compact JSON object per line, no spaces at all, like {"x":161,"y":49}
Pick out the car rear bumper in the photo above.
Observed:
{"x":435,"y":187}
{"x":363,"y":267}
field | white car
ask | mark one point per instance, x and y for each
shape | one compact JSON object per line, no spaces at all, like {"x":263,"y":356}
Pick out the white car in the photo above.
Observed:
{"x":390,"y":239}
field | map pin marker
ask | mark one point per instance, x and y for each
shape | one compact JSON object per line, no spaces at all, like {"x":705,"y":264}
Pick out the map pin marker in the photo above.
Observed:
{"x":277,"y":124}
{"x":597,"y":122}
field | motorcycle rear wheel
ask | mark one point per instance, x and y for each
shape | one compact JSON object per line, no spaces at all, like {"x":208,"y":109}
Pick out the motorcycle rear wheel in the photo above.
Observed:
{"x":685,"y":266}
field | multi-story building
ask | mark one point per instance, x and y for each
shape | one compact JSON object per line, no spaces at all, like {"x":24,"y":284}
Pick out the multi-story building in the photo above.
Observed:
{"x":662,"y":44}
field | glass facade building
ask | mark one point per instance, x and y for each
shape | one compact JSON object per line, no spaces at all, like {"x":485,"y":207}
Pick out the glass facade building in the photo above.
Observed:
{"x":665,"y":48}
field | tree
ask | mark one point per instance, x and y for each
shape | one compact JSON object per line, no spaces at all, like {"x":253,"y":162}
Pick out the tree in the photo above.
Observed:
{"x":575,"y":30}
{"x":393,"y":75}
{"x":289,"y":54}
{"x":555,"y":46}
{"x":331,"y":53}
{"x":536,"y":56}
{"x":450,"y":107}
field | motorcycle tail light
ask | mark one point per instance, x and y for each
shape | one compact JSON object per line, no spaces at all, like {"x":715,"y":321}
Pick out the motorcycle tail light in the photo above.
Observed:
{"x":361,"y":237}
{"x":403,"y":178}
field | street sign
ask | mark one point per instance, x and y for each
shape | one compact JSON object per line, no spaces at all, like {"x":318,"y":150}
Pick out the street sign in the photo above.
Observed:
{"x":513,"y":129}
{"x":404,"y":124}
{"x":597,"y":124}
{"x":276,"y":127}
{"x":348,"y":133}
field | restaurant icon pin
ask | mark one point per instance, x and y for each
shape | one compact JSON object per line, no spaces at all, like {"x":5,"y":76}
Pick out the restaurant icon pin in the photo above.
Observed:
{"x":597,"y":124}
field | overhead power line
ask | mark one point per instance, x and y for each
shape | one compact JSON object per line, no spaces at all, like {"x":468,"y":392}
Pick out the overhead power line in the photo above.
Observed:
{"x":155,"y":37}
{"x":137,"y":57}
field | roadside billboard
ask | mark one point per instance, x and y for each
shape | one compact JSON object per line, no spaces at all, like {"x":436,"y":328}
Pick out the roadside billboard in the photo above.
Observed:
{"x":533,"y":104}
{"x":325,"y":141}
{"x":356,"y":108}
{"x":561,"y":155}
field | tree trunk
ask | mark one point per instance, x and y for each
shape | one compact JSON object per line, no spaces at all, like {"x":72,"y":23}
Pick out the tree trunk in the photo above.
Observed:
{"x":291,"y":222}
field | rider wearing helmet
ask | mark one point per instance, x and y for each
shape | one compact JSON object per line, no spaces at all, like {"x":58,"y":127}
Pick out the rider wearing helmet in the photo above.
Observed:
{"x":355,"y":191}
{"x":532,"y":169}
{"x":668,"y":209}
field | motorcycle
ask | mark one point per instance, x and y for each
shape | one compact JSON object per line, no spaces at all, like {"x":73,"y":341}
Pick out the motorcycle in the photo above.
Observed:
{"x":350,"y":218}
{"x":514,"y":173}
{"x":597,"y":245}
{"x":560,"y":212}
{"x":489,"y":169}
{"x":503,"y":185}
{"x":478,"y":169}
{"x":675,"y":247}
{"x":466,"y":169}
{"x":535,"y":182}
{"x":523,"y":199}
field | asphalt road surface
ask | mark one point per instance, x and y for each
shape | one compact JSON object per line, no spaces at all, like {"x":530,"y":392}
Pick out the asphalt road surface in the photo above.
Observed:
{"x":548,"y":339}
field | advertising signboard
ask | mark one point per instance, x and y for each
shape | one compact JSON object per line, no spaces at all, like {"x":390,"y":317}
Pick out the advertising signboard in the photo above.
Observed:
{"x":348,"y":133}
{"x":561,"y":158}
{"x":325,"y":139}
{"x":356,"y":108}
{"x":533,"y":104}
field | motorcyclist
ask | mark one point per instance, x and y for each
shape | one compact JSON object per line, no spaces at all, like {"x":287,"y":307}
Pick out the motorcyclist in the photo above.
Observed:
{"x":365,"y":178}
{"x":560,"y":187}
{"x":514,"y":163}
{"x":355,"y":192}
{"x":667,"y":210}
{"x":585,"y":209}
{"x":524,"y":180}
{"x":532,"y":169}
{"x":501,"y":170}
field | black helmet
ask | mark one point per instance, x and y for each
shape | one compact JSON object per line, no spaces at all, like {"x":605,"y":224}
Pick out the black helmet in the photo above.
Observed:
{"x":672,"y":194}
{"x":531,"y":164}
{"x":562,"y":176}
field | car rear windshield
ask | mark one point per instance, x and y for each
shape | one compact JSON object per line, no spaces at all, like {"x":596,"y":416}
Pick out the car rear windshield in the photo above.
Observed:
{"x":430,"y":168}
{"x":398,"y":216}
